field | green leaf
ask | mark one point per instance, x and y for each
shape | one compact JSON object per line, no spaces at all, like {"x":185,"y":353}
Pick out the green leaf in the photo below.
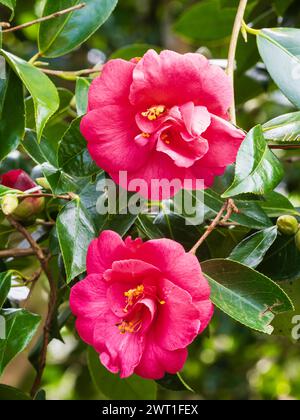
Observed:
{"x":81,"y":95}
{"x":59,"y":36}
{"x":252,"y":250}
{"x":42,"y":90}
{"x":5,"y":283}
{"x":11,"y":4}
{"x":280,"y":50}
{"x":5,"y":190}
{"x":283,"y":324}
{"x":120,"y":219}
{"x":251,"y":215}
{"x":73,"y":156}
{"x":258,"y":170}
{"x":206,"y":21}
{"x":8,"y":393}
{"x":244,"y":294}
{"x":21,"y":326}
{"x":40,"y":152}
{"x":132,"y":51}
{"x":282,"y":261}
{"x":112,"y":387}
{"x":75,"y":231}
{"x":60,"y":182}
{"x":284,"y":129}
{"x":275,"y":205}
{"x":12,"y":118}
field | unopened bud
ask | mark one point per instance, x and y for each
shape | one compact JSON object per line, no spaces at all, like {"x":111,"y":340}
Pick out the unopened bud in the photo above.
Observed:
{"x":288,"y":225}
{"x":297,"y":239}
{"x":9,"y":204}
{"x":43,"y":183}
{"x":29,"y":208}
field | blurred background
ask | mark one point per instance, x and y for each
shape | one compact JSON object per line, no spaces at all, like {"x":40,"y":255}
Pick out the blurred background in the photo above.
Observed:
{"x":229,"y":362}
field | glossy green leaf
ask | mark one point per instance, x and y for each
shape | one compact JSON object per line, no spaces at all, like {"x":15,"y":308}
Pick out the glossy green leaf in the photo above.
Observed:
{"x":59,"y":36}
{"x":75,"y":231}
{"x":252,"y":250}
{"x":81,"y":95}
{"x":40,"y":152}
{"x":11,"y":4}
{"x":42,"y":90}
{"x":258,"y":170}
{"x":206,"y":21}
{"x":282,"y":261}
{"x":251,"y":215}
{"x":118,"y":217}
{"x":60,"y":182}
{"x":285,"y":324}
{"x":275,"y":205}
{"x":280,"y":50}
{"x":8,"y":393}
{"x":112,"y":387}
{"x":21,"y":326}
{"x":73,"y":156}
{"x":5,"y":283}
{"x":12,"y":118}
{"x":284,"y":129}
{"x":5,"y":190}
{"x":244,"y":294}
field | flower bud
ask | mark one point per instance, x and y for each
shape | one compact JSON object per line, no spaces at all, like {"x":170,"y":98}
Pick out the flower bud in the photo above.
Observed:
{"x":9,"y":204}
{"x":23,"y":209}
{"x":287,"y":225}
{"x":43,"y":183}
{"x":297,"y":239}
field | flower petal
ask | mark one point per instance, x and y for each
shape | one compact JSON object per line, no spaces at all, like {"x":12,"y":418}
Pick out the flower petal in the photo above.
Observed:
{"x":105,"y":91}
{"x":110,"y":132}
{"x":104,"y":251}
{"x":156,"y":361}
{"x":171,"y":79}
{"x":176,"y":314}
{"x":88,"y":301}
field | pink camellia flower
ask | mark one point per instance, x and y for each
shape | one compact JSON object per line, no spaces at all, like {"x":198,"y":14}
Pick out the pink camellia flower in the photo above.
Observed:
{"x":161,"y":117}
{"x":30,"y":207}
{"x":141,"y":304}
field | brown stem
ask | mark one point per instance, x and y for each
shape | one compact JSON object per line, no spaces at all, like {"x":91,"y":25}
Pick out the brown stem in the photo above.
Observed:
{"x":284,"y":147}
{"x":44,"y":261}
{"x":232,"y":50}
{"x":44,"y":18}
{"x":230,"y":208}
{"x":16,"y":253}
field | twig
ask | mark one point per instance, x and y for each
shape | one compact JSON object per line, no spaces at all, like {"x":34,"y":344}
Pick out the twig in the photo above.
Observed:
{"x":70,"y":75}
{"x":16,"y":253}
{"x":284,"y":147}
{"x":44,"y":260}
{"x":230,"y":208}
{"x":44,"y":18}
{"x":232,"y":50}
{"x":68,"y":197}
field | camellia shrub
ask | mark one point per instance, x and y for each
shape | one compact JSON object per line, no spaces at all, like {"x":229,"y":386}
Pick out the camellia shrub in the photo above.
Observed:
{"x":144,"y":205}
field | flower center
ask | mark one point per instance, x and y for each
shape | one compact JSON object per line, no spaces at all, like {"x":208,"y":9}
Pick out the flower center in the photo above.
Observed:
{"x":132,"y":295}
{"x":129,"y":326}
{"x":154,"y":112}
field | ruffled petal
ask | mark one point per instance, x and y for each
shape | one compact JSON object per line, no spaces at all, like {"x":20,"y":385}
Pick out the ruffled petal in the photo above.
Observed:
{"x":110,"y":132}
{"x":171,"y":79}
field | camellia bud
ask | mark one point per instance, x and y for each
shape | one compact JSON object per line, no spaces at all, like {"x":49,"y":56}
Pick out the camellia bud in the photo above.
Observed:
{"x":288,"y":225}
{"x":297,"y":239}
{"x":23,"y":209}
{"x":9,"y":203}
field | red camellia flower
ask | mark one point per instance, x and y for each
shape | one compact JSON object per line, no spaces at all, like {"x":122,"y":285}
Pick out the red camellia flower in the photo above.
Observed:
{"x":141,"y":304}
{"x":28,"y":207}
{"x":161,"y":117}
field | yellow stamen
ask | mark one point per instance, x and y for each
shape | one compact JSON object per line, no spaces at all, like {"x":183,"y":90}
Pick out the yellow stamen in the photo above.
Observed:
{"x":146,"y":135}
{"x":165,"y":137}
{"x":129,"y":326}
{"x":132,"y":295}
{"x":154,"y":112}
